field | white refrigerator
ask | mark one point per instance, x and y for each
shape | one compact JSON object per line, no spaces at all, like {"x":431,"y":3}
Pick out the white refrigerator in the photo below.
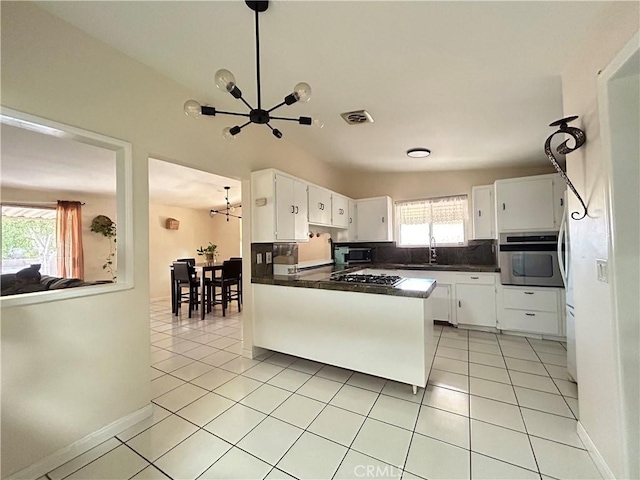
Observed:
{"x":564,"y":258}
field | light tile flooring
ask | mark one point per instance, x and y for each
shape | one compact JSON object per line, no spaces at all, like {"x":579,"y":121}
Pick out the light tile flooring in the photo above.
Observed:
{"x":495,"y":407}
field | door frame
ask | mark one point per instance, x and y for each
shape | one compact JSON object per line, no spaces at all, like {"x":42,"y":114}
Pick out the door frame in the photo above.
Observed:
{"x":624,"y":331}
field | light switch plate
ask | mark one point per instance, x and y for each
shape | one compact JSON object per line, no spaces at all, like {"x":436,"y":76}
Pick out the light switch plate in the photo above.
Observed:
{"x":267,"y":257}
{"x":258,"y":258}
{"x":603,"y":270}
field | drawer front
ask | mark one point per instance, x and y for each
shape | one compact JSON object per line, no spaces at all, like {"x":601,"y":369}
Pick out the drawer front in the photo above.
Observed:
{"x":526,"y":321}
{"x":531,"y":299}
{"x":476,"y":278}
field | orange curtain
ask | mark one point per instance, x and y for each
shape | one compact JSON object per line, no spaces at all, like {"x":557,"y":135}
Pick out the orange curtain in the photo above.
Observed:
{"x":69,"y":237}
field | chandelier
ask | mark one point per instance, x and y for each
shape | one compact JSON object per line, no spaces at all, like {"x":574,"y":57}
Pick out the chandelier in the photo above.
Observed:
{"x":228,"y":211}
{"x":226,"y":82}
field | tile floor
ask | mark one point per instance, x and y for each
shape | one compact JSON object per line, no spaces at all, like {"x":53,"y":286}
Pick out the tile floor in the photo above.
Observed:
{"x":495,"y":407}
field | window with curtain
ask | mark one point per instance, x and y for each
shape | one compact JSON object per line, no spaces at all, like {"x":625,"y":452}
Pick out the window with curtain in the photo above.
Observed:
{"x":28,"y":237}
{"x":442,"y":218}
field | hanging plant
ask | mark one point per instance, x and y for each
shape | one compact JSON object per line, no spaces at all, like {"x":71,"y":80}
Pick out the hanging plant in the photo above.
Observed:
{"x":107,"y":228}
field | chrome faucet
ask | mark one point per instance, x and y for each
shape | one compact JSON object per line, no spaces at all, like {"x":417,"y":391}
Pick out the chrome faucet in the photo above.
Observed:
{"x":432,"y":250}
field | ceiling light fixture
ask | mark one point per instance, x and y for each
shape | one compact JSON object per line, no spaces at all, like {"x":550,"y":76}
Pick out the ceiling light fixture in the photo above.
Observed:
{"x":227,"y":211}
{"x":418,"y":152}
{"x":226,"y":82}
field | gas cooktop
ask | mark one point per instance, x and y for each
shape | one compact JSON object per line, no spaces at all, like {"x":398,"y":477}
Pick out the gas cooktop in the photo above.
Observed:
{"x":388,"y":280}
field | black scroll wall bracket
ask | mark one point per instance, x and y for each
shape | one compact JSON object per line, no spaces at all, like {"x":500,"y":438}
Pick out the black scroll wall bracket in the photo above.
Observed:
{"x":579,"y":137}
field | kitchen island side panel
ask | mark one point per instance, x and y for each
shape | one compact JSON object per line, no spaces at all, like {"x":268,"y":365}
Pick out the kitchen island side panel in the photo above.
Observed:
{"x":381,"y":335}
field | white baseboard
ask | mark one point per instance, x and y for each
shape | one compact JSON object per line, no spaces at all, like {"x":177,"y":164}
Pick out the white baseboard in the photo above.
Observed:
{"x":602,"y":466}
{"x":253,"y":352}
{"x":94,"y":439}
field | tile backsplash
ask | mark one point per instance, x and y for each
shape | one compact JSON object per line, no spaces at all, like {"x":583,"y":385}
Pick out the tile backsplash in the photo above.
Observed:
{"x":477,"y":252}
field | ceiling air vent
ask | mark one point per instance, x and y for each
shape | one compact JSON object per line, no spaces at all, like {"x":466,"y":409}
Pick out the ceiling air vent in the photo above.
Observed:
{"x":357,"y":117}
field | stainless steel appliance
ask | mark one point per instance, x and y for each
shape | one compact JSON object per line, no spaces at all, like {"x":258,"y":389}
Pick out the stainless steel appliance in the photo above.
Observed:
{"x":351,"y":255}
{"x":530,"y":259}
{"x":387,"y":280}
{"x":564,"y":259}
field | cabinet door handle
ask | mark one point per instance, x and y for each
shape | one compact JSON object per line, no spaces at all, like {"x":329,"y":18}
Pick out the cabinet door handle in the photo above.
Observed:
{"x":479,"y":213}
{"x":475,"y":278}
{"x":561,"y":202}
{"x":293,"y":209}
{"x":459,"y":304}
{"x":530,"y":314}
{"x":504,"y":207}
{"x":382,"y":219}
{"x":297,"y":209}
{"x":351,"y":220}
{"x":529,"y":293}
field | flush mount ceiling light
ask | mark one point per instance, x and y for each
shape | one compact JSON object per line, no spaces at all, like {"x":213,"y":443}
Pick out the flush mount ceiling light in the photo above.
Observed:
{"x":226,"y":82}
{"x":418,"y":152}
{"x":228,"y":210}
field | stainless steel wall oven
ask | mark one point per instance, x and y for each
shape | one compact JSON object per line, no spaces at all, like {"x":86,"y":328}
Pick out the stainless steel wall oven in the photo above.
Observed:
{"x":529,"y":259}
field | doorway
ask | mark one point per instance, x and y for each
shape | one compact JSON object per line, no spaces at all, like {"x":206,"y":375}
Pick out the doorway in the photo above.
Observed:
{"x":619,"y":95}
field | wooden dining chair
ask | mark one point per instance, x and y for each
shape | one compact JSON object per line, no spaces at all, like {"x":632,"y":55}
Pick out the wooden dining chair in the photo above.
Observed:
{"x":239,"y":285}
{"x":231,"y":272}
{"x":183,"y":275}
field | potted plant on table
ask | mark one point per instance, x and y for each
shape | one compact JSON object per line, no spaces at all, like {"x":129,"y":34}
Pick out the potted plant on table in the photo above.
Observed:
{"x":208,"y":252}
{"x":107,"y":228}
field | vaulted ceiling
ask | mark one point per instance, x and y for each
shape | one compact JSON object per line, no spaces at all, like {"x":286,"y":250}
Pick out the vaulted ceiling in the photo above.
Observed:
{"x":475,"y":82}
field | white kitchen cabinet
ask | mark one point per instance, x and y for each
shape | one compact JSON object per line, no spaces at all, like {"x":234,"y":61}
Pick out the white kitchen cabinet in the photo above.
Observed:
{"x":278,"y":208}
{"x":476,"y":299}
{"x":353,"y":221}
{"x":559,"y":199}
{"x":375,"y":221}
{"x":527,"y":204}
{"x":442,"y":302}
{"x":339,"y":211}
{"x":531,"y":310}
{"x":443,"y":295}
{"x":484,"y":206}
{"x":319,"y":206}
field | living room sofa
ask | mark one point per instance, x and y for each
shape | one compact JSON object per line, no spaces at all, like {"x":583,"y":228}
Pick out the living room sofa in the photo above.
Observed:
{"x":8,"y":281}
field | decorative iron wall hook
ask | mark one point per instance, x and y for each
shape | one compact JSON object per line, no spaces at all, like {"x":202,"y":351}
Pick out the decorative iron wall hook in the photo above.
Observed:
{"x":580,"y":137}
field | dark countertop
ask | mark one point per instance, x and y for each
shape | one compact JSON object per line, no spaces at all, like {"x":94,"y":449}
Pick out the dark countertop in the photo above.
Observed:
{"x":319,"y":278}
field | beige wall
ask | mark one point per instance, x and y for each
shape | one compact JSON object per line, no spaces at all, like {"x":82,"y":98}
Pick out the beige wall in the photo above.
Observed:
{"x":409,"y":186}
{"x":197,"y":229}
{"x":87,"y":358}
{"x":317,"y":248}
{"x":418,"y":185}
{"x":95,"y":246}
{"x":227,"y":235}
{"x":599,"y":386}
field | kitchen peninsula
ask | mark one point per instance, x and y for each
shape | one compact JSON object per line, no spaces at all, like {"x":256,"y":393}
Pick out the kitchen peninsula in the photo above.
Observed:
{"x":380,"y":330}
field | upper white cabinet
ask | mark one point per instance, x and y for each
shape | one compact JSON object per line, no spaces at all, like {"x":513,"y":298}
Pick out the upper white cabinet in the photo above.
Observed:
{"x":484,"y":206}
{"x":339,"y":211}
{"x":319,"y":206}
{"x":528,"y":204}
{"x":375,"y":220}
{"x":278,"y":208}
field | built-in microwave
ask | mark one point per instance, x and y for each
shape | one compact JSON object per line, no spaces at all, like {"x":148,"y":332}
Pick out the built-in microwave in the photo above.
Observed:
{"x":351,"y":255}
{"x":529,"y":259}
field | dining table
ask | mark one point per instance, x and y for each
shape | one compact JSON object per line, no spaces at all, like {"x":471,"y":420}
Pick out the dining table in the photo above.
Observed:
{"x":201,"y":271}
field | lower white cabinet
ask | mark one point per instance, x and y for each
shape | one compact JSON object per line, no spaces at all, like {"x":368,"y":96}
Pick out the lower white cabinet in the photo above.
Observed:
{"x":476,"y":304}
{"x":531,"y":309}
{"x":441,"y":305}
